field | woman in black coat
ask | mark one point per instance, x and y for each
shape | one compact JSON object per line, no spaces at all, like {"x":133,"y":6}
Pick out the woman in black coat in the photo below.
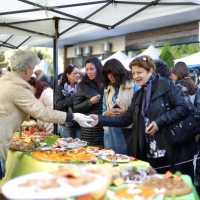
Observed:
{"x":148,"y":110}
{"x":88,"y":100}
{"x":64,"y":97}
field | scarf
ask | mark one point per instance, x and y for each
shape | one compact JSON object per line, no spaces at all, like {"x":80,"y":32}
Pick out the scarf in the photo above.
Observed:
{"x":69,"y":90}
{"x":147,"y":95}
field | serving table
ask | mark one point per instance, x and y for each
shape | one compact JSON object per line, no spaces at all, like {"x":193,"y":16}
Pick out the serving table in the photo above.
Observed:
{"x":26,"y":165}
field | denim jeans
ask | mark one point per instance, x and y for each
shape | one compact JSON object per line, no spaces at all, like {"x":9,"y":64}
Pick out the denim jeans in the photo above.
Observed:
{"x":73,"y":132}
{"x":114,"y":139}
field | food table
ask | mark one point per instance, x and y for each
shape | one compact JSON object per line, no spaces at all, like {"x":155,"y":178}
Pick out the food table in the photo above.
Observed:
{"x":26,"y":165}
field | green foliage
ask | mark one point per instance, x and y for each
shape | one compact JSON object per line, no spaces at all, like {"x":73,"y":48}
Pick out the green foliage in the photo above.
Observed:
{"x":166,"y":55}
{"x":3,"y":64}
{"x":51,"y":140}
{"x":9,"y":69}
{"x":26,"y":153}
{"x":179,"y":51}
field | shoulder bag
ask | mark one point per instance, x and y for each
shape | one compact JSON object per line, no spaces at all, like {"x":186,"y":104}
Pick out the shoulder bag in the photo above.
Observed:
{"x":183,"y":130}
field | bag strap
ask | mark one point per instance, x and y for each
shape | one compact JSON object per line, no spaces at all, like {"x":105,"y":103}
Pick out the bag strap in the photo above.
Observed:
{"x":196,"y":97}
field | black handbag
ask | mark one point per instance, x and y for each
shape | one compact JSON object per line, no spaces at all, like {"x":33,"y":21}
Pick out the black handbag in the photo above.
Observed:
{"x":183,"y":130}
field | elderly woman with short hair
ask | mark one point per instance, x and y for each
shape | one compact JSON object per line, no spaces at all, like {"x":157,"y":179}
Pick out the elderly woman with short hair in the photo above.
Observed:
{"x":17,"y":101}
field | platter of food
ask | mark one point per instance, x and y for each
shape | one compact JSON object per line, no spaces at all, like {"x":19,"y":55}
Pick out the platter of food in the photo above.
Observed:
{"x":67,"y":181}
{"x":116,"y":158}
{"x":70,"y":143}
{"x":23,"y":144}
{"x":132,"y":175}
{"x":94,"y":150}
{"x":172,"y":186}
{"x":107,"y":152}
{"x":64,"y":156}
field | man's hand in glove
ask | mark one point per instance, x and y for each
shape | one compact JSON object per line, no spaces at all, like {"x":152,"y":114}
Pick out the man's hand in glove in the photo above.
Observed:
{"x":83,"y":120}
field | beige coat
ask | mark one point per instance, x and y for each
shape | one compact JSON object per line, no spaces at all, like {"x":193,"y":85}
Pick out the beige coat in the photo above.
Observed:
{"x":17,"y":101}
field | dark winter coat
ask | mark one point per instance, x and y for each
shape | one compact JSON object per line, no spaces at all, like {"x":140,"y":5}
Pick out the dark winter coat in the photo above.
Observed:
{"x":64,"y":103}
{"x":82,"y":104}
{"x":156,"y":112}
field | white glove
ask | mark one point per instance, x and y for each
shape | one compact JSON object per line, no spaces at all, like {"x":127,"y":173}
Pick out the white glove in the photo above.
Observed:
{"x":83,"y":120}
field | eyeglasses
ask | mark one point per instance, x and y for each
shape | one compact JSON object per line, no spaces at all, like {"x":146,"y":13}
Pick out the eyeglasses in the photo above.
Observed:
{"x":143,"y":58}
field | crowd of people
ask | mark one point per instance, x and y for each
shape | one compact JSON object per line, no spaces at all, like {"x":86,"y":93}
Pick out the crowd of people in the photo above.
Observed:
{"x":109,"y":107}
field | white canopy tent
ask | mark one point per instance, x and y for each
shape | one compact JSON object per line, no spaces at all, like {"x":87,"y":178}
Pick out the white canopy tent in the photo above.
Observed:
{"x":192,"y":60}
{"x":118,"y":55}
{"x":32,"y":22}
{"x":150,"y":51}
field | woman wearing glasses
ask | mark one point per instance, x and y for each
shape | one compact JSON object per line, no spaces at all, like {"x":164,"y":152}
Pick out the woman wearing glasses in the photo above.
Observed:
{"x":149,"y":116}
{"x":64,"y":97}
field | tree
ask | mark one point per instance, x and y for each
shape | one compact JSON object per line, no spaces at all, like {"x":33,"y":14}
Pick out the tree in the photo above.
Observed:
{"x":3,"y":64}
{"x":166,"y":55}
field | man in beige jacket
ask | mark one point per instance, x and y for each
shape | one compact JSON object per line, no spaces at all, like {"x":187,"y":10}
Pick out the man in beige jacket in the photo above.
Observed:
{"x":17,"y":102}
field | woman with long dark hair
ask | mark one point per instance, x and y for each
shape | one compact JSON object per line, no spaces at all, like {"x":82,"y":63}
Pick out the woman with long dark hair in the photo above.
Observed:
{"x":64,"y":97}
{"x":118,"y":92}
{"x":88,"y":100}
{"x":180,"y":76}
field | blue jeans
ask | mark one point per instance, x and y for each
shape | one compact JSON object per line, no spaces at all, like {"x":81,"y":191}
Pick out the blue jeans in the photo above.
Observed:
{"x":66,"y":132}
{"x":114,"y":139}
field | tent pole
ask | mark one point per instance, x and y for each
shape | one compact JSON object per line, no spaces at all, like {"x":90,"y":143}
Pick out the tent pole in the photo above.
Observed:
{"x":55,"y":65}
{"x":55,"y":78}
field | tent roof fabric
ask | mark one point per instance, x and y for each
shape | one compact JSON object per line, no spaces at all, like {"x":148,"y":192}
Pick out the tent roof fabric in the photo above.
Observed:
{"x":193,"y":59}
{"x":150,"y":51}
{"x":32,"y":22}
{"x":118,"y":55}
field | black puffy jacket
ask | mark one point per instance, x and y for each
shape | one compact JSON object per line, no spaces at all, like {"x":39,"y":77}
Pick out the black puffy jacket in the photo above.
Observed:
{"x":82,"y":104}
{"x":156,"y":112}
{"x":65,"y":104}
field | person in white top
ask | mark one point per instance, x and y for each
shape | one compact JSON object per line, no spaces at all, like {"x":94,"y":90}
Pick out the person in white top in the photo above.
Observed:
{"x":44,"y":93}
{"x":43,"y":66}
